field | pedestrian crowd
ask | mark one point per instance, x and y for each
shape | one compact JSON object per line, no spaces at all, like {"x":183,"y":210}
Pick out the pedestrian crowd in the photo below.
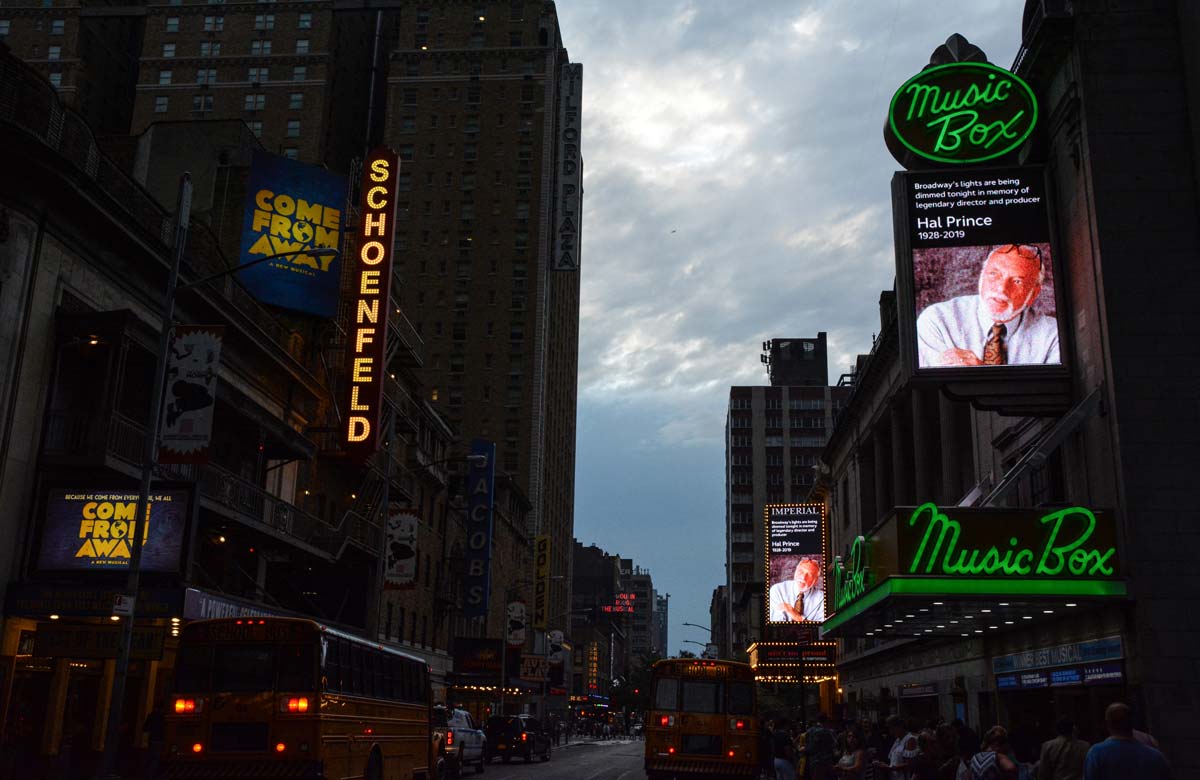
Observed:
{"x":906,"y":749}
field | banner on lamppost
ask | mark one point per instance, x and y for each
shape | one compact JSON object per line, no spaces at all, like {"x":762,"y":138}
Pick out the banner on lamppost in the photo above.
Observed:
{"x":190,"y":397}
{"x":515,"y":623}
{"x":541,"y":582}
{"x":401,"y":567}
{"x":481,"y":487}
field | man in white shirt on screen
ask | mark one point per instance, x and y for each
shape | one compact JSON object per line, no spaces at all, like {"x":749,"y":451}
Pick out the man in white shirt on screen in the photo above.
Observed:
{"x":996,"y":327}
{"x":799,"y":597}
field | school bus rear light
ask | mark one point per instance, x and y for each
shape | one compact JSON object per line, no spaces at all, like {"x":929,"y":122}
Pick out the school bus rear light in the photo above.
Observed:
{"x":666,"y":720}
{"x":197,"y":748}
{"x":293,"y":704}
{"x":280,"y":747}
{"x":189,"y":706}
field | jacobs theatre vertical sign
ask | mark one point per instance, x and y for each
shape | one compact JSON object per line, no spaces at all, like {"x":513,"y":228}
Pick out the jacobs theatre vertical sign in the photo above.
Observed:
{"x":370,"y":302}
{"x":481,"y":490}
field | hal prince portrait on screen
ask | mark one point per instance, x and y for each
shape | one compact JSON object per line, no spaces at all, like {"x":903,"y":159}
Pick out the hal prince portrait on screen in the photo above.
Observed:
{"x":998,"y":325}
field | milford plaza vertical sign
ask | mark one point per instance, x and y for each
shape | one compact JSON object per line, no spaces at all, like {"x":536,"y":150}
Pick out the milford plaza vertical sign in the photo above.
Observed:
{"x":481,"y":491}
{"x":371,"y":302}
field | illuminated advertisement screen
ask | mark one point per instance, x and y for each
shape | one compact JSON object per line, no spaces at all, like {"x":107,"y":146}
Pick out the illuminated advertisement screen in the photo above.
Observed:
{"x":795,"y":563}
{"x":90,"y":530}
{"x":291,"y":206}
{"x":979,"y":269}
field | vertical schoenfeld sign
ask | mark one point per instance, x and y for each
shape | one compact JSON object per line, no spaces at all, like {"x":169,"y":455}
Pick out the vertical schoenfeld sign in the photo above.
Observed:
{"x":569,"y":198}
{"x":370,"y":302}
{"x":481,"y":484}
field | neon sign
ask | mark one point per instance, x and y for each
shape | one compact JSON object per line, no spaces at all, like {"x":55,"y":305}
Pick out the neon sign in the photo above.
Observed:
{"x":963,"y":112}
{"x":852,"y":579}
{"x":371,"y":302}
{"x":1065,"y":547}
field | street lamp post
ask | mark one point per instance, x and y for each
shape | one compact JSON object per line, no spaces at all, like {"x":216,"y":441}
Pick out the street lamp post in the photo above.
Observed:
{"x":107,"y":769}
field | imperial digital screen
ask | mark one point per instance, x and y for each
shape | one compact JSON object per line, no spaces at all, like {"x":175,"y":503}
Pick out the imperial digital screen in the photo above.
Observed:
{"x":795,"y":563}
{"x":980,"y":268}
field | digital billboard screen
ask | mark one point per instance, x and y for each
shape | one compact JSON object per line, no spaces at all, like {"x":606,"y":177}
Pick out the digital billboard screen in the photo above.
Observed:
{"x":795,"y":561}
{"x":91,"y":530}
{"x":979,"y":269}
{"x":291,"y":206}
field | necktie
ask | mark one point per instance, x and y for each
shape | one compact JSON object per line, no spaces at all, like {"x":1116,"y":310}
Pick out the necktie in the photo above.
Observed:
{"x":800,"y":604}
{"x":995,"y":351}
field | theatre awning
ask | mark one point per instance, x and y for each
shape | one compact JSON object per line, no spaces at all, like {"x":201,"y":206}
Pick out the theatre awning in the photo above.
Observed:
{"x":927,"y":571}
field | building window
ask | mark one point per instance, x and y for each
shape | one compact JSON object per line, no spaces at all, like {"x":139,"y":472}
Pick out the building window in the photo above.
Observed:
{"x":304,"y":22}
{"x":255,"y":127}
{"x":296,"y":100}
{"x":206,"y":76}
{"x":59,"y":26}
{"x":257,"y":75}
{"x":293,"y":128}
{"x":210,"y":49}
{"x":300,"y":73}
{"x":53,"y":52}
{"x":5,"y":26}
{"x":470,"y":152}
{"x":292,"y":153}
{"x":410,"y":96}
{"x":160,"y":105}
{"x":56,"y":80}
{"x":264,"y":22}
{"x":255,"y":101}
{"x":214,"y":23}
{"x":260,"y":48}
{"x":302,"y":46}
{"x":168,"y":50}
{"x":202,"y":103}
{"x":164,"y":77}
{"x":514,"y":38}
{"x":406,"y":152}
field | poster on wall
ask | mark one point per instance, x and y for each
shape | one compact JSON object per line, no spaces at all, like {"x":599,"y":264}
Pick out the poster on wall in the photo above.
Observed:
{"x":514,"y":625}
{"x":795,"y":562}
{"x":190,"y":395}
{"x":978,"y":269}
{"x":91,"y":530}
{"x":401,"y":564}
{"x":291,"y":206}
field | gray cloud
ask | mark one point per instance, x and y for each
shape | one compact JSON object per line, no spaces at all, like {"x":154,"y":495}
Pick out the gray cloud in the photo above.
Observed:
{"x":737,"y":189}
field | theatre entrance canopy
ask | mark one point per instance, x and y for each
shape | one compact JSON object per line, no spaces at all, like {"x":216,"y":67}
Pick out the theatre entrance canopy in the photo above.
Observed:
{"x":934,"y":571}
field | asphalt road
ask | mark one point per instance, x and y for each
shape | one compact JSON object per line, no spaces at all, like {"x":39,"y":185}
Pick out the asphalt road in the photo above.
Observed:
{"x":616,"y":759}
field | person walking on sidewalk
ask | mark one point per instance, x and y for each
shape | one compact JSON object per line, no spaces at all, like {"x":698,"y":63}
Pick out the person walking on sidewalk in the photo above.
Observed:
{"x":1122,"y":755}
{"x":1062,"y":757}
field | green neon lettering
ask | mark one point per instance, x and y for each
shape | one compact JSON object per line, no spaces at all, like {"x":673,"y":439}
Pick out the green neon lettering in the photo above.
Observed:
{"x":849,"y":583}
{"x":1064,"y":550}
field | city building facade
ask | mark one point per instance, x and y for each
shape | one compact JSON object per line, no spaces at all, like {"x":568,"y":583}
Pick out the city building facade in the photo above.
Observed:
{"x":1122,"y":190}
{"x":773,"y":437}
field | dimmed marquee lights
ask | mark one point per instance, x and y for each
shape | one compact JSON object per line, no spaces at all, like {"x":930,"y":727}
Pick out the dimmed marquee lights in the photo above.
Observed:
{"x":370,"y":302}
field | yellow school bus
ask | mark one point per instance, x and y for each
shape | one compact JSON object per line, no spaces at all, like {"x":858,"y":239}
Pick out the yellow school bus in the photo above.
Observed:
{"x":284,"y":697}
{"x":703,"y":720}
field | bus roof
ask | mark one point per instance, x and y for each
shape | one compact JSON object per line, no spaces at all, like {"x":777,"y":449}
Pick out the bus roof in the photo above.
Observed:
{"x":314,"y":625}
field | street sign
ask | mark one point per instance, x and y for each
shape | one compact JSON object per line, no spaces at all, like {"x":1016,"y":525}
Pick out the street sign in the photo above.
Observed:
{"x":123,"y":605}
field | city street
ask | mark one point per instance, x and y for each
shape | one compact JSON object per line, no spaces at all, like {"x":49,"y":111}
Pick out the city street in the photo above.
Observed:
{"x":618,"y":759}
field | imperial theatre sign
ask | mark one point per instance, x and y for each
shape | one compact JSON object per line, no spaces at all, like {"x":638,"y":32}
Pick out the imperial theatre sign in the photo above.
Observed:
{"x":930,"y":552}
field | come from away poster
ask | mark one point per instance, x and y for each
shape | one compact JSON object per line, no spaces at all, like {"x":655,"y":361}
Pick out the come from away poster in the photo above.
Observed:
{"x":291,"y":206}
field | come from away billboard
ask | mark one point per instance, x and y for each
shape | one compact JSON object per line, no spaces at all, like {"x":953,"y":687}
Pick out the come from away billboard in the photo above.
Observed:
{"x":91,"y":530}
{"x":292,"y":206}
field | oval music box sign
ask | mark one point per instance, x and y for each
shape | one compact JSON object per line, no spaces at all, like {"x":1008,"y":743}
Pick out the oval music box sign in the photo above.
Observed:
{"x":963,"y":112}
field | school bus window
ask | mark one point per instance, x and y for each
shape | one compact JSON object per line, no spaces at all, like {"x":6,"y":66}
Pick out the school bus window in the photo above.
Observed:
{"x":666,"y":694}
{"x":243,"y":668}
{"x":741,"y":698}
{"x":193,"y":668}
{"x":332,"y":671}
{"x":356,"y":667}
{"x":295,"y":668}
{"x":704,"y":697}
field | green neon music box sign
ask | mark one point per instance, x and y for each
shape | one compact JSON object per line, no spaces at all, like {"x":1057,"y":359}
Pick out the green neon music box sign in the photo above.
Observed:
{"x":961,"y":550}
{"x":963,"y":113}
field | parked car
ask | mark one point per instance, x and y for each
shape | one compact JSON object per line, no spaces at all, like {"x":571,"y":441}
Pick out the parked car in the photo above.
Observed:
{"x":458,"y":740}
{"x":516,"y":735}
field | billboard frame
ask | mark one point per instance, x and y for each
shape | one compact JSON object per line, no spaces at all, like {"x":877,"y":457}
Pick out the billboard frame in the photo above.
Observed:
{"x":824,"y":522}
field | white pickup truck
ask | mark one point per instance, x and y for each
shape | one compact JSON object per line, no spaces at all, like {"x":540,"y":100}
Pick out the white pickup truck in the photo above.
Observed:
{"x":458,"y":739}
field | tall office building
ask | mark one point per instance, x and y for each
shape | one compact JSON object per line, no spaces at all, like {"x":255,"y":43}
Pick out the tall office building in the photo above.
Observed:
{"x":637,"y":581}
{"x":773,"y":439}
{"x":661,"y":616}
{"x":483,"y":107}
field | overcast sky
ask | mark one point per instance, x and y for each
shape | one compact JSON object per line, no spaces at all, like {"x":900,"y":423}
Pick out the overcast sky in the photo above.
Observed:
{"x":736,"y":189}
